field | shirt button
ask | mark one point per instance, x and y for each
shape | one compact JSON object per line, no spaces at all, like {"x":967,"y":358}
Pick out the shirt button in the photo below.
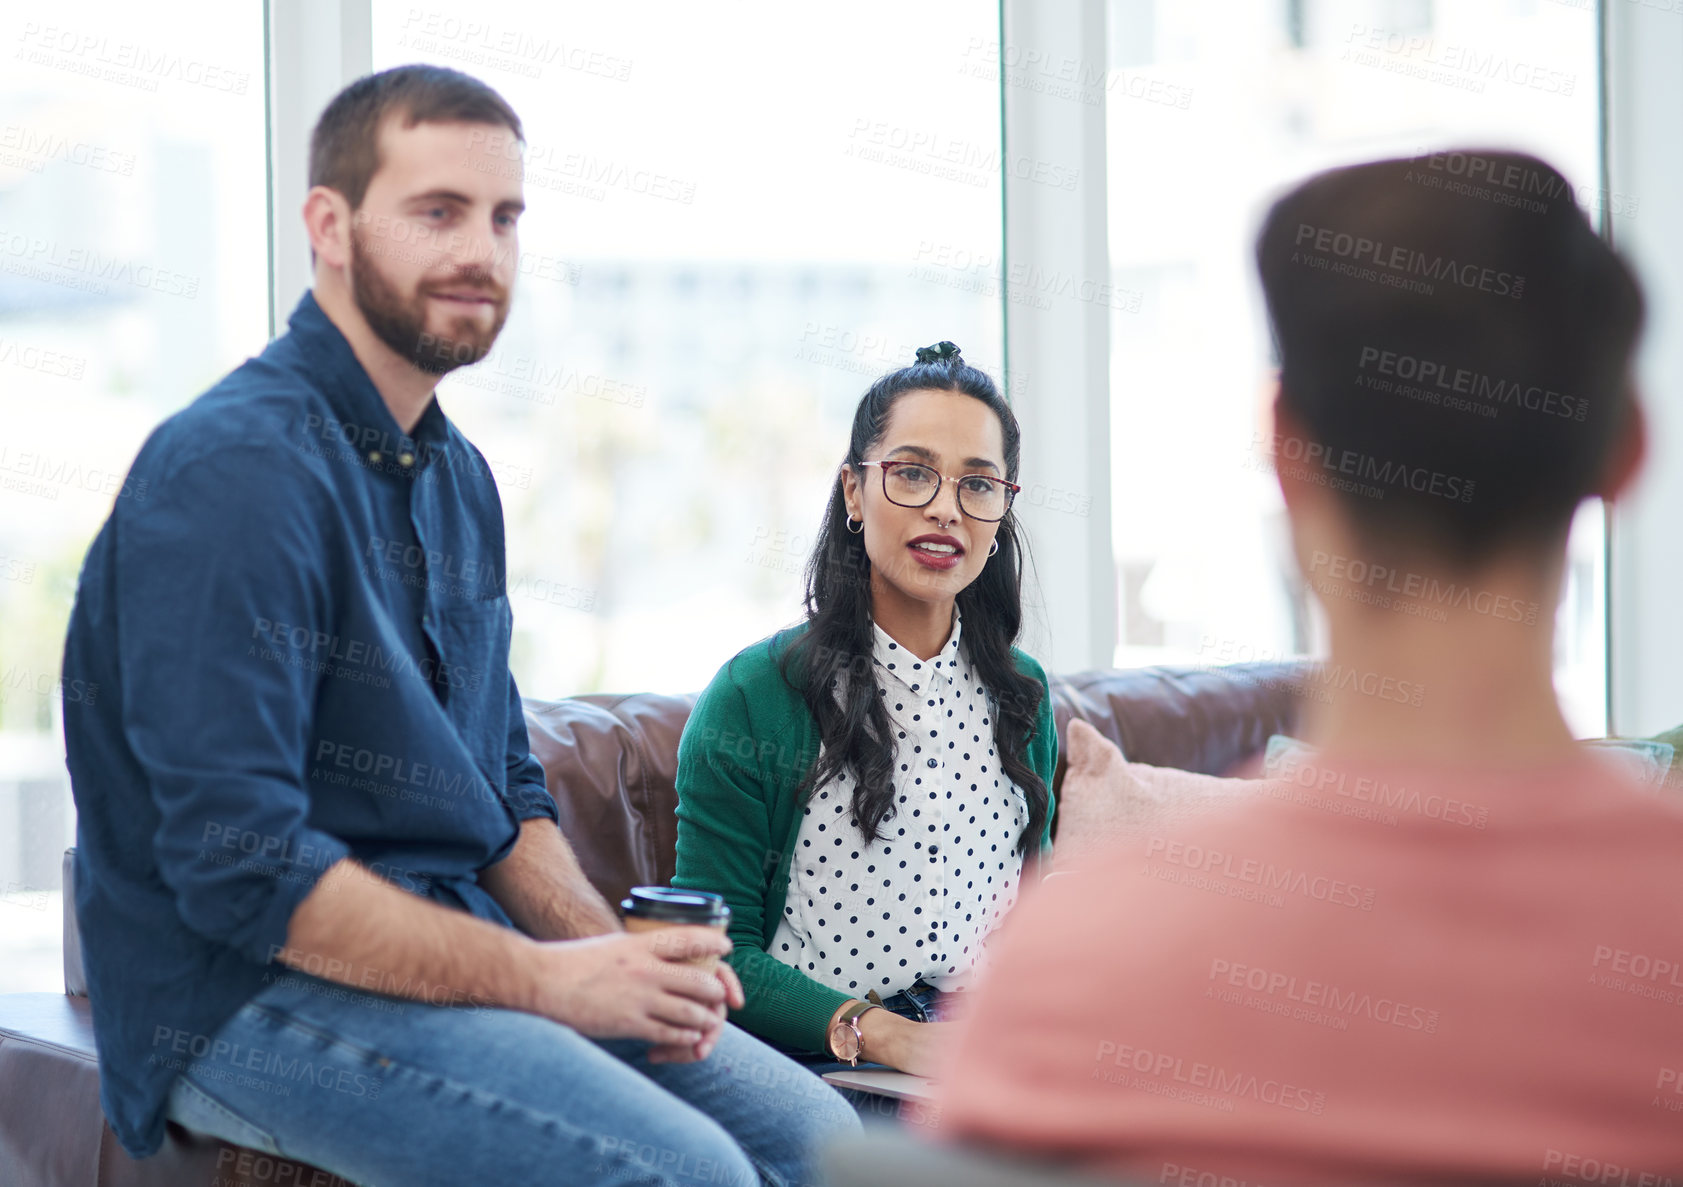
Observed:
{"x":933,"y":850}
{"x":934,"y":763}
{"x":406,"y":460}
{"x":374,"y":456}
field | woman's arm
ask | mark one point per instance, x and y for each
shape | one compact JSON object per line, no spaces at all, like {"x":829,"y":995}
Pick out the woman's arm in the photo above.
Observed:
{"x":730,"y":783}
{"x":1042,"y":750}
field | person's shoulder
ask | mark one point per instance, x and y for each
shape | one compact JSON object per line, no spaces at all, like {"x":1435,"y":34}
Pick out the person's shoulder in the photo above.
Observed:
{"x":254,"y":421}
{"x":1028,"y":665}
{"x":1031,"y":667}
{"x":757,"y":670}
{"x":750,"y":696}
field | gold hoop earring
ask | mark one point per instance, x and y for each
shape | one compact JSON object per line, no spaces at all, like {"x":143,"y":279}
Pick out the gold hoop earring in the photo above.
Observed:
{"x":855,"y":530}
{"x":995,"y":547}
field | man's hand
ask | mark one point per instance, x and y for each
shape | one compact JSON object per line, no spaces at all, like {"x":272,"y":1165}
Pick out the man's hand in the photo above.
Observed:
{"x":735,"y":999}
{"x":358,"y":929}
{"x":640,"y":986}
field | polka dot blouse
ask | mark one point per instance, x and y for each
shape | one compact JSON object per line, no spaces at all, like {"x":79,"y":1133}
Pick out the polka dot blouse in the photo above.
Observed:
{"x":922,"y":899}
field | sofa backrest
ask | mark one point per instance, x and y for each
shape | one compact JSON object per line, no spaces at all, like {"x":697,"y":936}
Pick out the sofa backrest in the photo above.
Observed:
{"x":611,"y":761}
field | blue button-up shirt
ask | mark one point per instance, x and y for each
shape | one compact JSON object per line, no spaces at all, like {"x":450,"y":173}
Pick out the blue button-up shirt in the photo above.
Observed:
{"x":299,"y":644}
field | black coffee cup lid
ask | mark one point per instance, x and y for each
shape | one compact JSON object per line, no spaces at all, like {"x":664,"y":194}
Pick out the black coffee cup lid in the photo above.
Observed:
{"x":671,"y":905}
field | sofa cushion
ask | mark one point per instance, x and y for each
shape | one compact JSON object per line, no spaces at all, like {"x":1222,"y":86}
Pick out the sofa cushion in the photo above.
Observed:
{"x":1106,"y":797}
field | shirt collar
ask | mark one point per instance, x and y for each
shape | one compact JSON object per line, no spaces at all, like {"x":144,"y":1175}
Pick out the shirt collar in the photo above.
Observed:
{"x":365,"y":422}
{"x":908,"y":668}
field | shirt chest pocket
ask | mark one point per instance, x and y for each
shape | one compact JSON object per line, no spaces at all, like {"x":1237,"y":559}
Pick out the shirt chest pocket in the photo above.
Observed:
{"x":472,"y":674}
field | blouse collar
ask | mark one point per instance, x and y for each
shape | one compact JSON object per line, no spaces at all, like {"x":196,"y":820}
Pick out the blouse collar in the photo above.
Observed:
{"x":908,"y":668}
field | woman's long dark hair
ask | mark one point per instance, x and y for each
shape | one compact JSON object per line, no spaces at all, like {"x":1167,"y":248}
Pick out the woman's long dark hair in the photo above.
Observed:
{"x":834,"y":655}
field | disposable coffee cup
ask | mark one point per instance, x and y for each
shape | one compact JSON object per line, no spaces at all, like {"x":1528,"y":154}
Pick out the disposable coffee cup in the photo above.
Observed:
{"x":650,"y":908}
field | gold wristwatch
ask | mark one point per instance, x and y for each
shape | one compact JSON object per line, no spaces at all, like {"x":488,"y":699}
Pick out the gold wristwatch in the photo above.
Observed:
{"x":846,"y":1041}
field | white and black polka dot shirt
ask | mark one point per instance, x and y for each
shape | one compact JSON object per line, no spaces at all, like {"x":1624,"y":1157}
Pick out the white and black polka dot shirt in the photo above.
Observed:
{"x":922,"y":899}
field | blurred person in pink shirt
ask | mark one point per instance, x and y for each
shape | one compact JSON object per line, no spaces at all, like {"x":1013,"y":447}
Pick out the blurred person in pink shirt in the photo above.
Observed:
{"x":1451,"y":945}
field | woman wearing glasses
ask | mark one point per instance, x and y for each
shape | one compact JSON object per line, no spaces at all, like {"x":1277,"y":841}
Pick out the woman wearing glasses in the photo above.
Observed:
{"x":868,"y":789}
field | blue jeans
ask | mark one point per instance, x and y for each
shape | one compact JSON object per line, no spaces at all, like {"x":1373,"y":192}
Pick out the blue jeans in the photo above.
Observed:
{"x":382,"y":1091}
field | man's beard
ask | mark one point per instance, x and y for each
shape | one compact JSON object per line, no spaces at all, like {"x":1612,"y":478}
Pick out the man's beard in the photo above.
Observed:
{"x":402,"y":325}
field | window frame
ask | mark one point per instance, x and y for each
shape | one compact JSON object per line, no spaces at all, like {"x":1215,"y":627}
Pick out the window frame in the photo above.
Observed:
{"x":1058,"y":358}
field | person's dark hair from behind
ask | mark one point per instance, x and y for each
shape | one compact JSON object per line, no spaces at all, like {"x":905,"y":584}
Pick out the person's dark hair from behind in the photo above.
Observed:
{"x":855,"y":730}
{"x":1481,"y":335}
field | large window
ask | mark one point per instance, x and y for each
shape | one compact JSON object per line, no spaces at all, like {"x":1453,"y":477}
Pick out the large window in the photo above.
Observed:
{"x":736,"y":220}
{"x":1213,"y":110}
{"x":133,"y":250}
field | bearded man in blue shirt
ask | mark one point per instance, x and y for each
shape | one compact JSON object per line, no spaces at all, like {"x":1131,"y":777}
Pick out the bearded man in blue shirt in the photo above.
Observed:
{"x":326,"y":908}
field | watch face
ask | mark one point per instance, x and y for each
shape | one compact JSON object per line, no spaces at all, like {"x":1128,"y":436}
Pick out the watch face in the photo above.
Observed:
{"x":844,"y":1042}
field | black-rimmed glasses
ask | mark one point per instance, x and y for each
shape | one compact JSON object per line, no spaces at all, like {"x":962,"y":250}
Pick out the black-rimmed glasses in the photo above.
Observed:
{"x":913,"y":484}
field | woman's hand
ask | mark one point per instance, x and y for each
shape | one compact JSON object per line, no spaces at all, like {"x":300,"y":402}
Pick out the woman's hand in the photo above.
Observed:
{"x":915,"y":1047}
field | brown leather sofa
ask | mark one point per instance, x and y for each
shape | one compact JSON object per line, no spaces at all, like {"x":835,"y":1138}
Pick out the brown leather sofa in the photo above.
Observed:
{"x":610,"y":762}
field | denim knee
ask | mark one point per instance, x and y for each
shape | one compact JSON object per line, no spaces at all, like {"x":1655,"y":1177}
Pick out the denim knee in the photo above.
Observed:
{"x":702,"y":1155}
{"x":822,"y":1116}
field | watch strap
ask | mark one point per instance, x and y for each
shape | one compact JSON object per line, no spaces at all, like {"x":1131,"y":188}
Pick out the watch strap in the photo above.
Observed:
{"x":854,"y":1010}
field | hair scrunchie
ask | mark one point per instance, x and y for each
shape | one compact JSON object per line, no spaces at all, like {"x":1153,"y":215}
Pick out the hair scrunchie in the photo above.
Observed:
{"x":937,"y":353}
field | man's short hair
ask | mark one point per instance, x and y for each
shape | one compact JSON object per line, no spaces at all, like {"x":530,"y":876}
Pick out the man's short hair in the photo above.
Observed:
{"x":345,"y":146}
{"x":1456,"y":341}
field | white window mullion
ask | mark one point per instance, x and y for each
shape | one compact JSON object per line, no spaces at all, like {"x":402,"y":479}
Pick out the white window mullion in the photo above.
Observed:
{"x":1644,"y":93}
{"x":1057,"y":326}
{"x":315,"y":47}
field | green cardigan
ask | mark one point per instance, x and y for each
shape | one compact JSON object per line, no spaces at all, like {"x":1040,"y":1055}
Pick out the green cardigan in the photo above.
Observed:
{"x":747,"y":747}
